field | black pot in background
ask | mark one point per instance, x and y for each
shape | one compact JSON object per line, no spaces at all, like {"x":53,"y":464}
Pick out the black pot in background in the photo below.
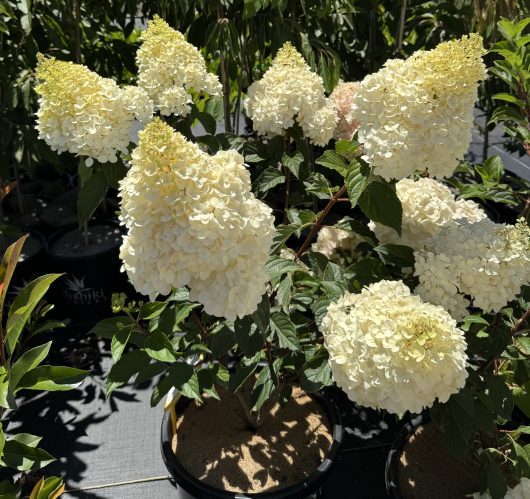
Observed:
{"x":189,"y":487}
{"x":394,"y":455}
{"x":84,"y":293}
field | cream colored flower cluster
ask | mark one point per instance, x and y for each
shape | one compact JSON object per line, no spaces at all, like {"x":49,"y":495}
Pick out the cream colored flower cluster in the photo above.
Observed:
{"x":334,"y":242}
{"x":290,"y":92}
{"x":342,"y":96}
{"x":193,"y":221}
{"x":520,"y":491}
{"x":390,"y":350}
{"x":417,"y":114}
{"x":486,"y":261}
{"x":428,"y":205}
{"x":169,"y":67}
{"x":85,"y":114}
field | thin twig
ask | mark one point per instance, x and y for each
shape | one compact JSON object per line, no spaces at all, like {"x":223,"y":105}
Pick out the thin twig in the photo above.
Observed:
{"x":519,"y":324}
{"x":202,"y":329}
{"x":252,"y":423}
{"x":401,"y":28}
{"x":225,"y":81}
{"x":318,"y":222}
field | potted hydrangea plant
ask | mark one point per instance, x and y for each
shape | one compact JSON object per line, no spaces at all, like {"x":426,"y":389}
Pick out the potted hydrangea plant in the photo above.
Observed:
{"x":247,"y":321}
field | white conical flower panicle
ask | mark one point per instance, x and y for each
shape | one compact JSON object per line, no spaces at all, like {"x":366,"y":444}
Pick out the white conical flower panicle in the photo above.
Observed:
{"x":417,"y":114}
{"x":290,"y":93}
{"x":390,"y":350}
{"x":486,"y":261}
{"x":83,"y":113}
{"x":169,"y":68}
{"x":192,"y":221}
{"x":428,"y":205}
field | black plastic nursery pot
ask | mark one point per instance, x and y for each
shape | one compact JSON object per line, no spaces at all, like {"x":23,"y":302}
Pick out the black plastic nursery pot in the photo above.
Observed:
{"x":394,"y":455}
{"x":84,"y":293}
{"x":189,"y":487}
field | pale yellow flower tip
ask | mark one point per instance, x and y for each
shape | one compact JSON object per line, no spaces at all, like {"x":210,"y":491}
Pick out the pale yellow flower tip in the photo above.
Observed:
{"x":290,"y":93}
{"x":169,"y":67}
{"x":192,"y":220}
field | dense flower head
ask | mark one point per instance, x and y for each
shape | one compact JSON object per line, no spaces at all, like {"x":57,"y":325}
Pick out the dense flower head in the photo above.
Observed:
{"x":334,"y":242}
{"x":85,"y":114}
{"x":428,"y":205}
{"x":520,"y":491}
{"x":193,"y":221}
{"x":169,"y":67}
{"x":484,"y":261}
{"x":342,"y":96}
{"x":390,"y":350}
{"x":290,"y":92}
{"x":417,"y":114}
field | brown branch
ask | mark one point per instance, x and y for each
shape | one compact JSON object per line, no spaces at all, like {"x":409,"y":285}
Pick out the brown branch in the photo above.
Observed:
{"x":519,"y":324}
{"x":401,"y":27}
{"x":318,"y":222}
{"x":202,"y":329}
{"x":252,"y":423}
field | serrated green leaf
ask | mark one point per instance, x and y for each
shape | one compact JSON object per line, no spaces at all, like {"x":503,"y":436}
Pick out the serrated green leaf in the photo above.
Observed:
{"x":285,"y":331}
{"x":283,"y":294}
{"x":500,"y":396}
{"x":240,"y":375}
{"x":380,"y":203}
{"x":495,"y":480}
{"x":264,"y":386}
{"x":271,"y":177}
{"x":119,"y":342}
{"x":181,"y":376}
{"x":402,"y":256}
{"x":294,"y":164}
{"x":158,"y":347}
{"x":114,"y":172}
{"x":183,"y":311}
{"x":129,"y":364}
{"x":320,"y":308}
{"x":356,"y":180}
{"x":248,"y":335}
{"x":262,"y":315}
{"x":222,"y":340}
{"x":332,"y":160}
{"x":347,"y":149}
{"x":277,"y":266}
{"x":90,"y":196}
{"x":208,"y":122}
{"x":282,"y":234}
{"x":151,"y":310}
{"x":316,"y":373}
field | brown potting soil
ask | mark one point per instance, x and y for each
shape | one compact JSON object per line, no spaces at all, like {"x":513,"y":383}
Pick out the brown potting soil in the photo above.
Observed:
{"x":213,"y":443}
{"x":428,"y":471}
{"x":72,"y":243}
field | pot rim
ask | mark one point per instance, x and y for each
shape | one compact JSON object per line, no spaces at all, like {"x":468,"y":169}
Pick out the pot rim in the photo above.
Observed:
{"x":299,"y":490}
{"x":394,"y":454}
{"x":81,"y":258}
